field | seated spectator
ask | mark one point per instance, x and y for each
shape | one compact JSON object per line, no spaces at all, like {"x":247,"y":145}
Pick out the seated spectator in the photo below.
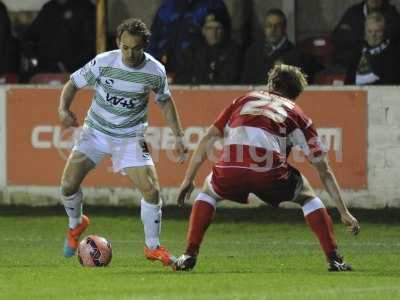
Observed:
{"x":177,"y":25}
{"x":9,"y":58}
{"x":62,"y":37}
{"x":378,"y":61}
{"x":349,"y":33}
{"x":275,"y":47}
{"x":215,"y":59}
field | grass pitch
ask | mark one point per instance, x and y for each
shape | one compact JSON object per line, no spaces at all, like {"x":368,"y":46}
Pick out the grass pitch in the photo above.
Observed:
{"x":250,"y":254}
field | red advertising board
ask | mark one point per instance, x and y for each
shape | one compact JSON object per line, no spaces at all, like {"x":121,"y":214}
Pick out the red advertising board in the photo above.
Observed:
{"x":37,"y":148}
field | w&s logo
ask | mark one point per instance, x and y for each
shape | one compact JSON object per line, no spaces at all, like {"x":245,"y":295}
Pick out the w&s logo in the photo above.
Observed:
{"x":119,"y":101}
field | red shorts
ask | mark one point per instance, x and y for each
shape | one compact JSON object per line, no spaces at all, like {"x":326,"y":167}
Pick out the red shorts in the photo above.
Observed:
{"x":273,"y":187}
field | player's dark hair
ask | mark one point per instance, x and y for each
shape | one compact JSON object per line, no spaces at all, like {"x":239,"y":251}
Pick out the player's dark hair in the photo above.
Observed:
{"x":289,"y":81}
{"x":134,"y":27}
{"x":277,"y":12}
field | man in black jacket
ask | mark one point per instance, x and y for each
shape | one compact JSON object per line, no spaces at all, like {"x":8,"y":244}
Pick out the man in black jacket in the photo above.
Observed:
{"x":378,"y":61}
{"x":215,"y":59}
{"x":349,"y":33}
{"x":9,"y":58}
{"x":62,"y":37}
{"x":263,"y":54}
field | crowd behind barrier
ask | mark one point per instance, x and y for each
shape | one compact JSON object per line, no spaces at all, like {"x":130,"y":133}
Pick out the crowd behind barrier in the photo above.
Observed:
{"x":192,"y":38}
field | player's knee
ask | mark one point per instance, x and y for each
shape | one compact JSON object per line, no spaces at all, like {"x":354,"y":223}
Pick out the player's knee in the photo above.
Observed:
{"x":151,"y":195}
{"x":69,"y":188}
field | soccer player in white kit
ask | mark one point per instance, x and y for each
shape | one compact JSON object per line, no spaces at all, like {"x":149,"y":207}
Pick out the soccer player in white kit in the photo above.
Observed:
{"x":115,"y":125}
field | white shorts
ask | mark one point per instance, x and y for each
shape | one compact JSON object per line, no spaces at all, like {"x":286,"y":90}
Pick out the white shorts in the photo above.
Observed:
{"x":124,"y":152}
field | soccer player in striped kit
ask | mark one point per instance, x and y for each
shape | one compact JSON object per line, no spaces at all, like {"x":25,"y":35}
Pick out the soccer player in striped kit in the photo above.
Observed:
{"x":259,"y":130}
{"x":115,"y":125}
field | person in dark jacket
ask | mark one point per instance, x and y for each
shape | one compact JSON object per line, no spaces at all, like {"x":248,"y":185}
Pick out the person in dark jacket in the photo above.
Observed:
{"x":349,"y":33}
{"x":215,"y":59}
{"x":177,"y":25}
{"x":378,"y":61}
{"x":62,"y":37}
{"x":9,"y":51}
{"x":274,"y":48}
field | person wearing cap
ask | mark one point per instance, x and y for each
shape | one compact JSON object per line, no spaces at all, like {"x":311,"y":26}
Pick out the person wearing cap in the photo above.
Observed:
{"x":215,"y":59}
{"x":177,"y":26}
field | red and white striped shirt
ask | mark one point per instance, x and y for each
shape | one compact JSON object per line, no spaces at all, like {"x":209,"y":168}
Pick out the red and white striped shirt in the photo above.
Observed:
{"x":260,"y":130}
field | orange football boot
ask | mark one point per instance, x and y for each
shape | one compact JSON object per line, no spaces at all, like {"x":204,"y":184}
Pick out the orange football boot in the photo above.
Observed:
{"x":161,"y":254}
{"x":72,"y":239}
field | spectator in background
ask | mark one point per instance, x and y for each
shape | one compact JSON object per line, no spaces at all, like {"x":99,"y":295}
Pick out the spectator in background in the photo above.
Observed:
{"x":9,"y":58}
{"x":214,"y":59}
{"x":349,"y":33}
{"x":62,"y":37}
{"x":177,"y":25}
{"x":274,"y":48}
{"x":378,"y":61}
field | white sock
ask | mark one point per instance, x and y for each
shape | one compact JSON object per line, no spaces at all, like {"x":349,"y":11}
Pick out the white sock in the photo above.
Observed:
{"x":73,"y":207}
{"x":312,"y":205}
{"x":151,"y":218}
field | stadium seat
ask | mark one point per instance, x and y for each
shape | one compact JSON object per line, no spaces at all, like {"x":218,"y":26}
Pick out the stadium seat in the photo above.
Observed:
{"x":320,"y":47}
{"x":49,"y":78}
{"x":9,"y":78}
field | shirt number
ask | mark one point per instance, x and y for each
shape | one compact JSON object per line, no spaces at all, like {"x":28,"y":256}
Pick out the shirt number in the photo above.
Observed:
{"x":272,"y":108}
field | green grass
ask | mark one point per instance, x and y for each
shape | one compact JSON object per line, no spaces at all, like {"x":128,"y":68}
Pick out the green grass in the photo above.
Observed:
{"x":246,"y":255}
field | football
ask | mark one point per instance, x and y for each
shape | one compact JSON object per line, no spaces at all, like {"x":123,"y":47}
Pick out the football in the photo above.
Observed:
{"x":94,"y":251}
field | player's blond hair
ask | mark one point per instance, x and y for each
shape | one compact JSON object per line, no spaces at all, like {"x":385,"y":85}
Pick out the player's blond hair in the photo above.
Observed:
{"x":375,"y":17}
{"x":288,"y":80}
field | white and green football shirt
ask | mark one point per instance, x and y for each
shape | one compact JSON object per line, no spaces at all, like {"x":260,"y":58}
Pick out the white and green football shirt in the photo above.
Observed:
{"x":119,"y":105}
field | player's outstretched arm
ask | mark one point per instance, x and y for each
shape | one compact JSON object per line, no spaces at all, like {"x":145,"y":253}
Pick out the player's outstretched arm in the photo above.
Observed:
{"x":67,"y":117}
{"x":197,"y":159}
{"x":332,"y":187}
{"x":171,"y":115}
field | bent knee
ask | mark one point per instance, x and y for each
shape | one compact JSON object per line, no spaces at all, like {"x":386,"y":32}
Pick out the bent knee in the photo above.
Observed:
{"x":69,"y":188}
{"x":151,"y":195}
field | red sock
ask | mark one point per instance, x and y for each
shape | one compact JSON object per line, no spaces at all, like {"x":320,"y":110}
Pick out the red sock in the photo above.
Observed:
{"x":321,"y":224}
{"x":200,"y":217}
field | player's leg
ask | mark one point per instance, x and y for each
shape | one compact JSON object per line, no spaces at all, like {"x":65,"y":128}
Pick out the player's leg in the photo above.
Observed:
{"x":145,"y":179}
{"x":320,"y":222}
{"x":76,"y":169}
{"x":201,"y":216}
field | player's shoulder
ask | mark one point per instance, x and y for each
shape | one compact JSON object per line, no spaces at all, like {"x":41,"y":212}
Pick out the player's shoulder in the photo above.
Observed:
{"x":106,"y":58}
{"x":299,"y":116}
{"x":270,"y":96}
{"x":153,"y":65}
{"x":249,"y":96}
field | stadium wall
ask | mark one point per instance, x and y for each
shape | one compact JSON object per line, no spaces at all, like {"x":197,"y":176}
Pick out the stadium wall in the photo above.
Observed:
{"x":3,"y":178}
{"x":368,"y":173}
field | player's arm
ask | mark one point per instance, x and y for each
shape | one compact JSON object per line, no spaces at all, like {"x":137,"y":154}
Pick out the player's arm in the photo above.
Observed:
{"x":171,"y":115}
{"x":197,"y":159}
{"x":200,"y":154}
{"x":67,"y":117}
{"x":331,"y":185}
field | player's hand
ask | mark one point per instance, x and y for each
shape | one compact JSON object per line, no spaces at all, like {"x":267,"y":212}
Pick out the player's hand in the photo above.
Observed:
{"x":67,"y":119}
{"x":181,"y":149}
{"x":352,"y":224}
{"x":185,"y":190}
